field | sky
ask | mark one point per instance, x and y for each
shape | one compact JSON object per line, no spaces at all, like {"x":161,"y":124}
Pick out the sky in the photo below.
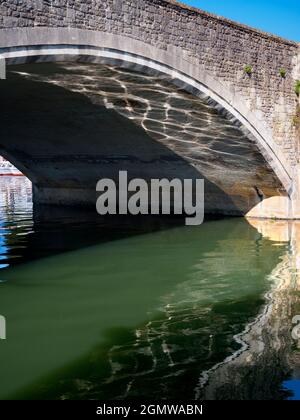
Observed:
{"x":280,"y":17}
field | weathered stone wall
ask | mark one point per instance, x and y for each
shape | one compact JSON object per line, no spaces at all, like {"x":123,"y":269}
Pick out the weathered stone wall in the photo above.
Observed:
{"x":218,"y":45}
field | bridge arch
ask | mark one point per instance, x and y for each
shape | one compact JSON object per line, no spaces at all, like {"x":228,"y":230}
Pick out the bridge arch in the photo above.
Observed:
{"x":42,"y":44}
{"x":23,"y":45}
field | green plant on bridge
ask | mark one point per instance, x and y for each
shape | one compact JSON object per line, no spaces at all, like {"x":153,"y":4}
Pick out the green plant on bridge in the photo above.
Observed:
{"x":282,"y":73}
{"x":248,"y":69}
{"x":297,"y":87}
{"x":295,"y":121}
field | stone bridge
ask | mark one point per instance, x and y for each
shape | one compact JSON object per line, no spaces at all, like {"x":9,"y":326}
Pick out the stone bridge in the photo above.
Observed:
{"x":153,"y":87}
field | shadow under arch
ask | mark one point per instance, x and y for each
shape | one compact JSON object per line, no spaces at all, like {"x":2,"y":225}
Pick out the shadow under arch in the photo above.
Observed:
{"x":266,"y":178}
{"x":64,"y":144}
{"x":23,"y":45}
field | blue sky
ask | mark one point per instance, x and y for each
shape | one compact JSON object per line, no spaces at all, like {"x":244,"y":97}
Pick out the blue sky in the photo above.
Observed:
{"x":281,"y":17}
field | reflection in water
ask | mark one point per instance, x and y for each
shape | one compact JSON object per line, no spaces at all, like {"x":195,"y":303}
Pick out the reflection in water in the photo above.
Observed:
{"x":123,"y":310}
{"x":267,"y":341}
{"x":15,"y":216}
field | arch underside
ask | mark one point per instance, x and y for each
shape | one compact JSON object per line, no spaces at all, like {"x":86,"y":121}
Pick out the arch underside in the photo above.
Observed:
{"x":112,"y":102}
{"x":69,"y":124}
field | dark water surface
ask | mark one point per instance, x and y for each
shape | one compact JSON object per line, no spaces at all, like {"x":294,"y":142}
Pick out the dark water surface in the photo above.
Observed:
{"x":142,"y":307}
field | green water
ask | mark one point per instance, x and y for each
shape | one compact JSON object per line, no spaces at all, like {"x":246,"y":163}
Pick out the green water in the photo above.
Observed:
{"x":124,"y":308}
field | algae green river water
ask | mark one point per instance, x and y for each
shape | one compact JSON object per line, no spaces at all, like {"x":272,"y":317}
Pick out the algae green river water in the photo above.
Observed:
{"x":142,"y":307}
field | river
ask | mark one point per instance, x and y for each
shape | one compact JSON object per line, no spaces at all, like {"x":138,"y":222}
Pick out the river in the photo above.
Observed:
{"x":145,"y":307}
